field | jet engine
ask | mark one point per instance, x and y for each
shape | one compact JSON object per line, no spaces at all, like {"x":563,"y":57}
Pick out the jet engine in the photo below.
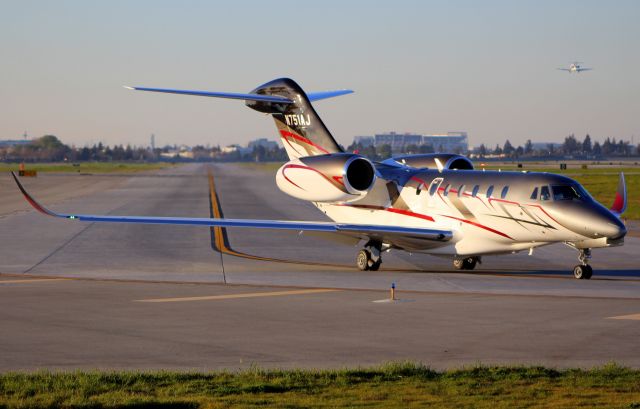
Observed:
{"x":428,"y":160}
{"x":338,"y":177}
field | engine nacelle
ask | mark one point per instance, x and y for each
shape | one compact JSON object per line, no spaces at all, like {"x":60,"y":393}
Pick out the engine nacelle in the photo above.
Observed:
{"x":428,"y":160}
{"x":338,"y":177}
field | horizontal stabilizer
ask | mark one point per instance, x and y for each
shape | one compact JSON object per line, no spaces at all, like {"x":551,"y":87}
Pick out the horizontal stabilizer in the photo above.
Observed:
{"x":230,"y":95}
{"x":317,"y":96}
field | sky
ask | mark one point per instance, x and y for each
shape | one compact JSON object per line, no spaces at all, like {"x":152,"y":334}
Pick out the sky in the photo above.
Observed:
{"x":485,"y":67}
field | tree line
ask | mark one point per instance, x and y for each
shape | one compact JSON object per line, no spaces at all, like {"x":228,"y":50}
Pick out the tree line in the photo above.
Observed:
{"x":571,"y":147}
{"x":50,"y":149}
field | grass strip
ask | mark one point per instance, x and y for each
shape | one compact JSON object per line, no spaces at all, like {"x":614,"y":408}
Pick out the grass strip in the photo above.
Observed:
{"x":392,"y":385}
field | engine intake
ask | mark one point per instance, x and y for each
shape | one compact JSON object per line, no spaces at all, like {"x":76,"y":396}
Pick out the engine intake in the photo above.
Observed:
{"x":448,"y":160}
{"x":327,"y":178}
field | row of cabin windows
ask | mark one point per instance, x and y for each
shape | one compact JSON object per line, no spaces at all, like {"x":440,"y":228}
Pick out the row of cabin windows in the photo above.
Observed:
{"x":474,"y":191}
{"x":560,"y":192}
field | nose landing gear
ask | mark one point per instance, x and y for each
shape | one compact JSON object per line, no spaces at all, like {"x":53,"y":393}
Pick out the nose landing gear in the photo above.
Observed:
{"x":583,"y":271}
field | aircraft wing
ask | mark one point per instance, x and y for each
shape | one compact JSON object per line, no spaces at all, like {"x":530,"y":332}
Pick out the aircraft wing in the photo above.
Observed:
{"x":583,"y":69}
{"x":563,"y":69}
{"x":403,"y":237}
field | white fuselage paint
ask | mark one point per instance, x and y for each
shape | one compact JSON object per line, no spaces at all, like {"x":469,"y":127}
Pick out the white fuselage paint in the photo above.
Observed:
{"x":480,"y":224}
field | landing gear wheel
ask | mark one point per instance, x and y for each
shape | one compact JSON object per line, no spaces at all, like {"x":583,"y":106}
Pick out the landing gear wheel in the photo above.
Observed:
{"x":582,"y":271}
{"x":468,"y":263}
{"x":362,"y":260}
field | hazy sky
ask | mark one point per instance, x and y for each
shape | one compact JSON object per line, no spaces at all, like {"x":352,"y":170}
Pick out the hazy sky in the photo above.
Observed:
{"x":485,"y":67}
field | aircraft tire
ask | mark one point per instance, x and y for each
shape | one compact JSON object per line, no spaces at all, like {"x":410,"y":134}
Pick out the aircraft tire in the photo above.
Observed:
{"x":582,"y":272}
{"x":362,"y":260}
{"x":469,"y":263}
{"x":458,"y":264}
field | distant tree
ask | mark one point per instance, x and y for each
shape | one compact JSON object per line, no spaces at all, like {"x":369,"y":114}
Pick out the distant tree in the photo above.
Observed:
{"x":607,"y":147}
{"x":519,"y":151}
{"x":508,"y":148}
{"x":570,"y":145}
{"x":384,"y":151}
{"x":497,"y":150}
{"x":482,"y":150}
{"x":425,"y":149}
{"x":586,"y":145}
{"x":411,"y":149}
{"x":528,"y":147}
{"x":597,"y":149}
{"x":551,"y":150}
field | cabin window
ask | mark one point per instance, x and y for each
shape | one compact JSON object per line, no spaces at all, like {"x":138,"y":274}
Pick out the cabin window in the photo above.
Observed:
{"x":460,"y":190}
{"x":474,"y":192}
{"x":534,"y":194}
{"x":566,"y":192}
{"x":505,"y":190}
{"x":446,"y":190}
{"x":435,"y":184}
{"x":490,"y":191}
{"x":544,"y":193}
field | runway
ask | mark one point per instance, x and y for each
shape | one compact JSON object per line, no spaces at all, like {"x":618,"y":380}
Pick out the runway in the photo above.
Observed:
{"x":147,"y":297}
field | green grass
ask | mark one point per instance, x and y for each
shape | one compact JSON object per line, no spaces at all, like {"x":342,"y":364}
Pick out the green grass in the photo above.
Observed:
{"x":89,"y":167}
{"x":393,"y":385}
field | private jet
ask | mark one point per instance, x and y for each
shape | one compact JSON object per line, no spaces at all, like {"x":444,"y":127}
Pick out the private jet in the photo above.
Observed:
{"x":575,"y":67}
{"x":430,"y":203}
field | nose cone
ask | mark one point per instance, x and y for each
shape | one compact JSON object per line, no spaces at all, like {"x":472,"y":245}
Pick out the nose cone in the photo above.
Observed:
{"x":611,"y":227}
{"x":590,"y":220}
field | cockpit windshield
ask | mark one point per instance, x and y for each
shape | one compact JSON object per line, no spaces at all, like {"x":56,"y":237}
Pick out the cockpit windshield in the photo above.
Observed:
{"x":569,"y":192}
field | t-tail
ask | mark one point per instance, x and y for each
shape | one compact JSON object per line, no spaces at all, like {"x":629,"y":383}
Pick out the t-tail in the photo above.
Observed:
{"x":302,"y":131}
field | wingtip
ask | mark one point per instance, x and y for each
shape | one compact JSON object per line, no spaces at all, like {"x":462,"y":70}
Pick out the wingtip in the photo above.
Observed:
{"x":31,"y":200}
{"x":128,"y":87}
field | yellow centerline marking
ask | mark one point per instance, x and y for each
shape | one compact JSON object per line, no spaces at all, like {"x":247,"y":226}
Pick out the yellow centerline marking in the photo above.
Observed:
{"x":31,"y":280}
{"x":635,"y":317}
{"x":242,"y":295}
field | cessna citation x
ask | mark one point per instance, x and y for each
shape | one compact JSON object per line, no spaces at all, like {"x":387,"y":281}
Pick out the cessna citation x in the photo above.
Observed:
{"x":435,"y":203}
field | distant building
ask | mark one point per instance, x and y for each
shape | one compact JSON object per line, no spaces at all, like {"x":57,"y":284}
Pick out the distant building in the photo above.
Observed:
{"x":452,"y":142}
{"x":364,"y":140}
{"x":449,"y":142}
{"x":13,"y":142}
{"x":264,"y":142}
{"x":397,"y":141}
{"x":543,"y":146}
{"x":236,"y":148}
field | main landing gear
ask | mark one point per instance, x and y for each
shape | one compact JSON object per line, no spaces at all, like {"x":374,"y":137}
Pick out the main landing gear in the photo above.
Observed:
{"x":583,"y":271}
{"x":468,"y":263}
{"x":369,"y":257}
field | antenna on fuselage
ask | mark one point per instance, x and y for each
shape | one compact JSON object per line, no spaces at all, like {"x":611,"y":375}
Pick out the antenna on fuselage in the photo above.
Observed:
{"x":439,"y":165}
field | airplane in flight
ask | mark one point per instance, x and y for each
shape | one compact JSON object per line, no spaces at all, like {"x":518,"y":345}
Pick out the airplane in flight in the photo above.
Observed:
{"x":431,"y":203}
{"x":575,"y":67}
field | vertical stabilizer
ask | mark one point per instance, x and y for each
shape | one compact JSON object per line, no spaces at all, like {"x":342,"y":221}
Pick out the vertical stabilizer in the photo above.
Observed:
{"x":302,"y":131}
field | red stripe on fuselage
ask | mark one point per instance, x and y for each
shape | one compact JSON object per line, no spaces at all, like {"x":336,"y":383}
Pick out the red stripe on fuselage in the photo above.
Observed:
{"x":392,"y":210}
{"x":287,"y":134}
